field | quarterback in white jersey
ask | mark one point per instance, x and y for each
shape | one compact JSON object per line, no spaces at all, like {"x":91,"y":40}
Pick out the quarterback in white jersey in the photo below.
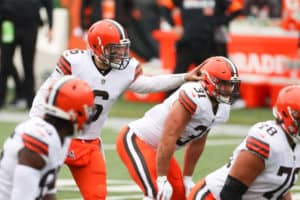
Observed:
{"x":109,"y":70}
{"x":265,"y":165}
{"x":32,"y":156}
{"x":183,"y":119}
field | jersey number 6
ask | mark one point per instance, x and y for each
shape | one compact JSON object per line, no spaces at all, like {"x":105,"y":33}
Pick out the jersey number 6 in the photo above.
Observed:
{"x":99,"y":108}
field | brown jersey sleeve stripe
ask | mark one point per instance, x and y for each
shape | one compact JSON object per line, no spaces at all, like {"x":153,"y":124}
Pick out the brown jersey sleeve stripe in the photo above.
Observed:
{"x":62,"y":68}
{"x":35,"y":144}
{"x":187,"y":103}
{"x":259,"y":147}
{"x":65,"y":64}
{"x":34,"y":148}
{"x":258,"y":142}
{"x":184,"y":104}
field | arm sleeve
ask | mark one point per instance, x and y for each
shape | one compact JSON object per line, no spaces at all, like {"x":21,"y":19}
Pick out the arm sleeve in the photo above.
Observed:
{"x":40,"y":98}
{"x":25,"y":183}
{"x":146,"y":84}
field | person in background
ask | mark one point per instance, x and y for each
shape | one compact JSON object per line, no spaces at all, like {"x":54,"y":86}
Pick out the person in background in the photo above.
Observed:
{"x":227,"y":10}
{"x":146,"y":146}
{"x":263,"y":8}
{"x":18,"y":99}
{"x":90,"y":12}
{"x":109,"y":70}
{"x":32,"y":155}
{"x":139,"y":19}
{"x":265,"y":165}
{"x":7,"y":37}
{"x":23,"y":20}
{"x":200,"y":19}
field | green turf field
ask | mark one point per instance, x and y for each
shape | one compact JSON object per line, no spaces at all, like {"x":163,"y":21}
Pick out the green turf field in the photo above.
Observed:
{"x":120,"y":186}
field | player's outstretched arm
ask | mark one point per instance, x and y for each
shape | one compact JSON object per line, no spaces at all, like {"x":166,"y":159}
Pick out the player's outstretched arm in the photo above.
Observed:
{"x":165,"y":82}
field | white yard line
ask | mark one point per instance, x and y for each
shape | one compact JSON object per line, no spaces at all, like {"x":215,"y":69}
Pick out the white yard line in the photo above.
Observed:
{"x":117,"y":123}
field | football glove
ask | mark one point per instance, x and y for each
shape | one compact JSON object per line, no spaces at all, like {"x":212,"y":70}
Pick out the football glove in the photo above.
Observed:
{"x":165,"y":189}
{"x":188,"y":184}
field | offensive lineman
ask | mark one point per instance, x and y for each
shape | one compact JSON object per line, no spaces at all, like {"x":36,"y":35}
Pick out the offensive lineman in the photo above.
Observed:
{"x":32,"y":155}
{"x":146,"y":146}
{"x":265,"y":165}
{"x":109,"y":70}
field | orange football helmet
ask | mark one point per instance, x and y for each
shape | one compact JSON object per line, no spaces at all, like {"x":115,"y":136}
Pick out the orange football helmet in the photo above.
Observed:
{"x":287,"y":111}
{"x":220,"y":79}
{"x":71,"y":99}
{"x":108,"y":41}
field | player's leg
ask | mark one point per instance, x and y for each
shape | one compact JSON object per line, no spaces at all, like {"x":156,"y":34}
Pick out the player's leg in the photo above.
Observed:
{"x":176,"y":180}
{"x":139,"y":158}
{"x":87,"y":165}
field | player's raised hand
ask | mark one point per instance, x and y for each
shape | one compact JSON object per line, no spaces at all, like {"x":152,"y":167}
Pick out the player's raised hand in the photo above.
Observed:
{"x":193,"y":75}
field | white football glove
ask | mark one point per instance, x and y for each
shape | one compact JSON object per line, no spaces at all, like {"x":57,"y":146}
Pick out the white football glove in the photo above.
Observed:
{"x":165,"y":189}
{"x":188,"y":185}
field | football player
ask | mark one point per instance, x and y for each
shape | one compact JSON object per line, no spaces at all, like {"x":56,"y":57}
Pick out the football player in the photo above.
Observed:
{"x":109,"y":70}
{"x":146,"y":146}
{"x":32,"y":155}
{"x":265,"y":165}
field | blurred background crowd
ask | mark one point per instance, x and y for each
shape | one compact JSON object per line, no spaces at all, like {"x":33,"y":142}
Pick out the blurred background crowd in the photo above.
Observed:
{"x":167,"y":36}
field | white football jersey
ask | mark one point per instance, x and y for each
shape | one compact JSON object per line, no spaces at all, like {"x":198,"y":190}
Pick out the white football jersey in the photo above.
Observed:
{"x":107,"y":86}
{"x":41,"y":137}
{"x":195,"y":100}
{"x":268,"y":141}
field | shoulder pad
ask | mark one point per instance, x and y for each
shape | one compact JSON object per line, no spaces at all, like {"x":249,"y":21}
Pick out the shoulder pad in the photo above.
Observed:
{"x":36,"y":143}
{"x":257,"y":142}
{"x":189,"y":96}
